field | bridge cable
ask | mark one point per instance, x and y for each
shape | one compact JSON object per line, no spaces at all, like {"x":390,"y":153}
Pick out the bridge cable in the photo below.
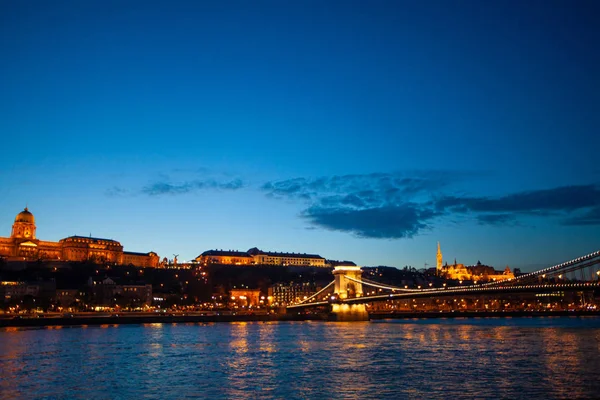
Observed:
{"x":316,"y":294}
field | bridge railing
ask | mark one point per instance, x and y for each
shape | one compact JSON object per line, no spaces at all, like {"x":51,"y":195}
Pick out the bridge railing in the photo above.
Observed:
{"x":555,"y":270}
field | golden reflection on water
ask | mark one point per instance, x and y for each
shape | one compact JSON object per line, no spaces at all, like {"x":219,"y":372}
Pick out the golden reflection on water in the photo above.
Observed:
{"x":266,"y":339}
{"x":238,"y":364}
{"x":155,"y":325}
{"x":560,"y":356}
{"x":346,"y":368}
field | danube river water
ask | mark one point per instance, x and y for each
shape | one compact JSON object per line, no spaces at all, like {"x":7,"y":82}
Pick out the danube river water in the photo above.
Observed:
{"x":487,"y":358}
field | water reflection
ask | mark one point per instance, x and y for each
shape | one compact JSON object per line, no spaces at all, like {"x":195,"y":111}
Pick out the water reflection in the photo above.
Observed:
{"x":420,"y":359}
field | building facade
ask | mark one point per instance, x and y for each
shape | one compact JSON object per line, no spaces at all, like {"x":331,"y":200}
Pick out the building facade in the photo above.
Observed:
{"x":254,"y":256}
{"x":245,"y":297}
{"x":225,"y":257}
{"x":287,"y":259}
{"x":285,"y":294}
{"x":107,"y":292}
{"x":477,"y":272}
{"x":24,"y":245}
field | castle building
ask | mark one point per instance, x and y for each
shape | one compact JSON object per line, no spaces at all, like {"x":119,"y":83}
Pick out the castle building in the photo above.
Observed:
{"x":477,"y":272}
{"x":225,"y":257}
{"x":24,"y":245}
{"x":254,"y":256}
{"x":288,"y":259}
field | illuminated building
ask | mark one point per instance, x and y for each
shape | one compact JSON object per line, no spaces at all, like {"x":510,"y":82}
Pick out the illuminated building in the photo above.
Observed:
{"x":478,"y":272}
{"x":17,"y":290}
{"x":282,"y":295}
{"x":289,"y":259}
{"x":245,"y":297}
{"x":23,"y":245}
{"x":150,"y":260}
{"x":225,"y":257}
{"x":81,"y":248}
{"x":254,"y":256}
{"x":23,"y":242}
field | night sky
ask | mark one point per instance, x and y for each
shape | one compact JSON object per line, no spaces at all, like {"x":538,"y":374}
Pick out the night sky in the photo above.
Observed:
{"x":365,"y":131}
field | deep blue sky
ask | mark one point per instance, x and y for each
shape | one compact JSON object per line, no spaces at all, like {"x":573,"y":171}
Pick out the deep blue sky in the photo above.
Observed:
{"x":364,"y":130}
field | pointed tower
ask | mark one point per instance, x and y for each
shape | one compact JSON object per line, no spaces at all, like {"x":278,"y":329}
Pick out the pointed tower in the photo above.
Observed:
{"x":439,"y":260}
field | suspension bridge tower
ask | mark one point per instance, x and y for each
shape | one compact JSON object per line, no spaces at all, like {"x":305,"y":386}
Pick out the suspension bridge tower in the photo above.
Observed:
{"x":348,"y":285}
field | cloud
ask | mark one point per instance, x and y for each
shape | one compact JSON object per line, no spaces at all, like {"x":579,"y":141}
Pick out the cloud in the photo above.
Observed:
{"x":168,"y":188}
{"x":589,"y":217}
{"x":389,"y":222}
{"x":573,"y":205}
{"x":378,"y":205}
{"x":364,"y":190}
{"x":565,"y":198}
{"x":180,"y":181}
{"x":394,"y":205}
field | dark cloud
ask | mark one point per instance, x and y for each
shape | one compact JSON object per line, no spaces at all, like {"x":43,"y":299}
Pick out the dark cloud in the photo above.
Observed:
{"x":163,"y":188}
{"x":566,"y":198}
{"x":384,"y":205}
{"x":389,"y":222}
{"x":378,"y":205}
{"x":589,"y":217}
{"x":576,"y":205}
{"x":377,"y":189}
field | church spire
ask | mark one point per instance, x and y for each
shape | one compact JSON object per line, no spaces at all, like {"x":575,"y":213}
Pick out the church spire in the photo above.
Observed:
{"x":439,"y":259}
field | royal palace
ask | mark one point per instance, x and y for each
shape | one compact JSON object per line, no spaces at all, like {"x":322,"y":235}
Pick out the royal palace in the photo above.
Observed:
{"x":23,"y":245}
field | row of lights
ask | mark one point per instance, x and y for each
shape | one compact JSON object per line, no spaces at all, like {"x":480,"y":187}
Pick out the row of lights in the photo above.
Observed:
{"x":479,"y":286}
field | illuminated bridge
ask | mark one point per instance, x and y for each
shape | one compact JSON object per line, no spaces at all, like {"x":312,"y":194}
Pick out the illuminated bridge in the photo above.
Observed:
{"x":347,"y":298}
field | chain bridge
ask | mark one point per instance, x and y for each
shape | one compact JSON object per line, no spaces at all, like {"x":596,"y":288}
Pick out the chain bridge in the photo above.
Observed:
{"x":347,"y":298}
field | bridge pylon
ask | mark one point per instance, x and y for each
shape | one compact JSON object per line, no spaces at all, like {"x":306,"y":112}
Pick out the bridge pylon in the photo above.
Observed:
{"x":347,"y":289}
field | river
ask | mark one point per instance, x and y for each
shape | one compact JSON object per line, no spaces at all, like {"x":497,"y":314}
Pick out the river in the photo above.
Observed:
{"x":486,"y":358}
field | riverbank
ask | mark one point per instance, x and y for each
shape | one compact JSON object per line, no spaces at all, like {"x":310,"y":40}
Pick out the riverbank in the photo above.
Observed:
{"x":173,"y":319}
{"x":482,"y":314}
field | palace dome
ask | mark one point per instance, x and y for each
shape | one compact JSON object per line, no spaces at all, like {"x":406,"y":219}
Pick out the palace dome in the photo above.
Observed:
{"x":25,"y":216}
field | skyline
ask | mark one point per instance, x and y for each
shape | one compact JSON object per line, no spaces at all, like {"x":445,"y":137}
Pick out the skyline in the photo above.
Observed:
{"x":366,"y":132}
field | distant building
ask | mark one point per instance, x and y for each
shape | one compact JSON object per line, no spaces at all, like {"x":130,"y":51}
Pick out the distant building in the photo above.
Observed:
{"x":10,"y":290}
{"x":255,"y":256}
{"x":225,"y":257}
{"x":23,"y":245}
{"x":106,"y":292}
{"x":282,"y":295}
{"x":66,"y":297}
{"x":245,"y":297}
{"x":287,"y":259}
{"x":149,"y":260}
{"x":477,"y":272}
{"x":336,"y":263}
{"x":13,"y":290}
